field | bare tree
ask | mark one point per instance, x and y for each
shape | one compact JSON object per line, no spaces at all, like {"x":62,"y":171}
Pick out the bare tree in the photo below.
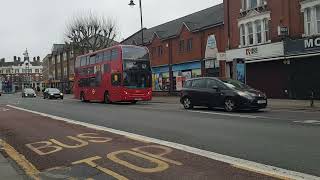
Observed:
{"x":89,"y":32}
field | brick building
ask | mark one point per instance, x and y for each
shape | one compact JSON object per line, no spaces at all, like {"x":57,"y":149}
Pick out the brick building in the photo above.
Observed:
{"x":59,"y":68}
{"x":190,"y":46}
{"x":17,"y":74}
{"x":279,"y":42}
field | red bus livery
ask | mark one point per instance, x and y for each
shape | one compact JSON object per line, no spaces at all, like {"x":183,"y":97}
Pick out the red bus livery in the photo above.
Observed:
{"x":117,"y":74}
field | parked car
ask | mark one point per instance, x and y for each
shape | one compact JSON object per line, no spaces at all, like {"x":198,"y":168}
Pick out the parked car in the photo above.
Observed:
{"x":228,"y":94}
{"x":52,"y":93}
{"x":28,"y":92}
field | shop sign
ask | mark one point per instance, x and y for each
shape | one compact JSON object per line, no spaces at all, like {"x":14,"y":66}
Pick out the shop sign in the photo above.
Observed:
{"x":312,"y":43}
{"x":211,"y":49}
{"x":264,"y":51}
{"x":302,"y":46}
{"x":252,"y":51}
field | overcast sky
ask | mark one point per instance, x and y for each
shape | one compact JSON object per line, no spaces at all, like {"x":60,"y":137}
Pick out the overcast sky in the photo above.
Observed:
{"x":37,"y":24}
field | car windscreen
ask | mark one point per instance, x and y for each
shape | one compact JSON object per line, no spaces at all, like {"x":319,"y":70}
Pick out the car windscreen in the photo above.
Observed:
{"x":236,"y":84}
{"x":29,"y":91}
{"x":54,"y":91}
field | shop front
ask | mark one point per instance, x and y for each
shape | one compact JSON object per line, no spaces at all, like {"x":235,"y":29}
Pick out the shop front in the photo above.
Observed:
{"x":263,"y":65}
{"x":303,"y":62}
{"x":161,"y":75}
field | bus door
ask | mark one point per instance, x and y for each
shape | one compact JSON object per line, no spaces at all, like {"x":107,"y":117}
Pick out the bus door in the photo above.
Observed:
{"x":116,"y":88}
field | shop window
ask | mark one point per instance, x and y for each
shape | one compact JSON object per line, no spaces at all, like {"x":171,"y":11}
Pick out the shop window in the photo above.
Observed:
{"x":189,"y":45}
{"x":181,"y":46}
{"x":250,"y":33}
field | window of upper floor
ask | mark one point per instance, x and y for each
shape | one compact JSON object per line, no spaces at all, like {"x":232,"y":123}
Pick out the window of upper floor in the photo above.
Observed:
{"x":65,"y":56}
{"x":181,"y":46}
{"x":311,"y":13}
{"x":251,"y":4}
{"x":16,"y":71}
{"x":160,"y":51}
{"x":189,"y":45}
{"x":37,"y":71}
{"x":254,"y":32}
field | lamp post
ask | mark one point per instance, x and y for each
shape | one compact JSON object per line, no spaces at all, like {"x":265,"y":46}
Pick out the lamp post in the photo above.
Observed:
{"x":141,"y":20}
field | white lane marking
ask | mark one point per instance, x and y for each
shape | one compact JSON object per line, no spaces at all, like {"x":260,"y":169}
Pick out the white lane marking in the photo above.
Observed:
{"x":228,"y":114}
{"x":315,"y":122}
{"x":258,"y":167}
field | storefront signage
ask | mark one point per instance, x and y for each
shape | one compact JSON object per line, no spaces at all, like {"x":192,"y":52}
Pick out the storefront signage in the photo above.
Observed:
{"x":264,"y":51}
{"x":211,"y":49}
{"x":302,"y":46}
{"x":312,"y":43}
{"x":251,"y":51}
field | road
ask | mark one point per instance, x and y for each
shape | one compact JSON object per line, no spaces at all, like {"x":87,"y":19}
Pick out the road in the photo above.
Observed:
{"x":284,"y":139}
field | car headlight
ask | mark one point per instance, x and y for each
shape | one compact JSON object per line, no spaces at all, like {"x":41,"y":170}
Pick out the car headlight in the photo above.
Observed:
{"x":61,"y":94}
{"x":51,"y":94}
{"x":246,"y":95}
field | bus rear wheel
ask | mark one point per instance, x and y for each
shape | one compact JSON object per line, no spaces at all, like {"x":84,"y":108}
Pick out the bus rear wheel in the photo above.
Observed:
{"x":107,"y":98}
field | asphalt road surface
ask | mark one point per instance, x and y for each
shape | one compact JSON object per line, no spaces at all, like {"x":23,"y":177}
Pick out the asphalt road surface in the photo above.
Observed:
{"x":285,"y":139}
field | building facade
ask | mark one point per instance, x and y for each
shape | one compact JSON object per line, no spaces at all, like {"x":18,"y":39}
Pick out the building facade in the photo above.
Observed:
{"x":278,"y":42}
{"x":59,"y":68}
{"x":16,"y":75}
{"x":190,"y":46}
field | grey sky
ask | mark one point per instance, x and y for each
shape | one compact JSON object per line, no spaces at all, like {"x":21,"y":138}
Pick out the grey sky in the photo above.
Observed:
{"x":37,"y":24}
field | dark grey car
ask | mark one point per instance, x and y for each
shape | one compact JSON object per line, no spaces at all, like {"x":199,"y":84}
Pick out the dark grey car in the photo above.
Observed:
{"x":214,"y":93}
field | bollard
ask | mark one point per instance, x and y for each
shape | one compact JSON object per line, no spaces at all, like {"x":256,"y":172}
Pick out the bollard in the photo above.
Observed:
{"x":312,"y":99}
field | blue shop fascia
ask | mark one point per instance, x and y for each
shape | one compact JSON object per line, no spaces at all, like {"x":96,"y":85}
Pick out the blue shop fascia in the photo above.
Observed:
{"x":161,"y":74}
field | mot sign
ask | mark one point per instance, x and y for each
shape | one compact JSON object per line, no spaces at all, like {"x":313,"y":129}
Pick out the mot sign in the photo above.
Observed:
{"x":312,"y":43}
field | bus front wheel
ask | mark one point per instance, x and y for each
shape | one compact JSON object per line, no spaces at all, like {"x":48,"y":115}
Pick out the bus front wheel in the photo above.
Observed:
{"x":107,"y":98}
{"x":82,"y":98}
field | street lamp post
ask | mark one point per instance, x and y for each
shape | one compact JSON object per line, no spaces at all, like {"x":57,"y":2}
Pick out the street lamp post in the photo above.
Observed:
{"x":141,"y":19}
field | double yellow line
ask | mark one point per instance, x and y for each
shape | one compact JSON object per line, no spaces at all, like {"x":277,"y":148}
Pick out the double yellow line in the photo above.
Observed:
{"x":29,"y":168}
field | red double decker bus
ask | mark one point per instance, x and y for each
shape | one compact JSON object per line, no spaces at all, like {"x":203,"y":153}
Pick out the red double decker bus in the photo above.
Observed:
{"x":118,"y":74}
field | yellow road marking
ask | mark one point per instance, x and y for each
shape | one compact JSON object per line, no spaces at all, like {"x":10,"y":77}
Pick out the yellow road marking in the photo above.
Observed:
{"x":161,"y":165}
{"x":29,"y":168}
{"x":263,"y":173}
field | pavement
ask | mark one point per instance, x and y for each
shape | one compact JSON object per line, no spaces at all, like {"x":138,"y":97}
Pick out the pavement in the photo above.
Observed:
{"x":8,"y":170}
{"x":272,"y":103}
{"x":203,"y":144}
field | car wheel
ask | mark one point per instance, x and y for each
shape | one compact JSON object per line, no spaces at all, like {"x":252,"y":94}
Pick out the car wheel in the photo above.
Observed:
{"x":229,"y":105}
{"x":187,"y":103}
{"x":134,"y":102}
{"x":62,"y":97}
{"x":107,"y":98}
